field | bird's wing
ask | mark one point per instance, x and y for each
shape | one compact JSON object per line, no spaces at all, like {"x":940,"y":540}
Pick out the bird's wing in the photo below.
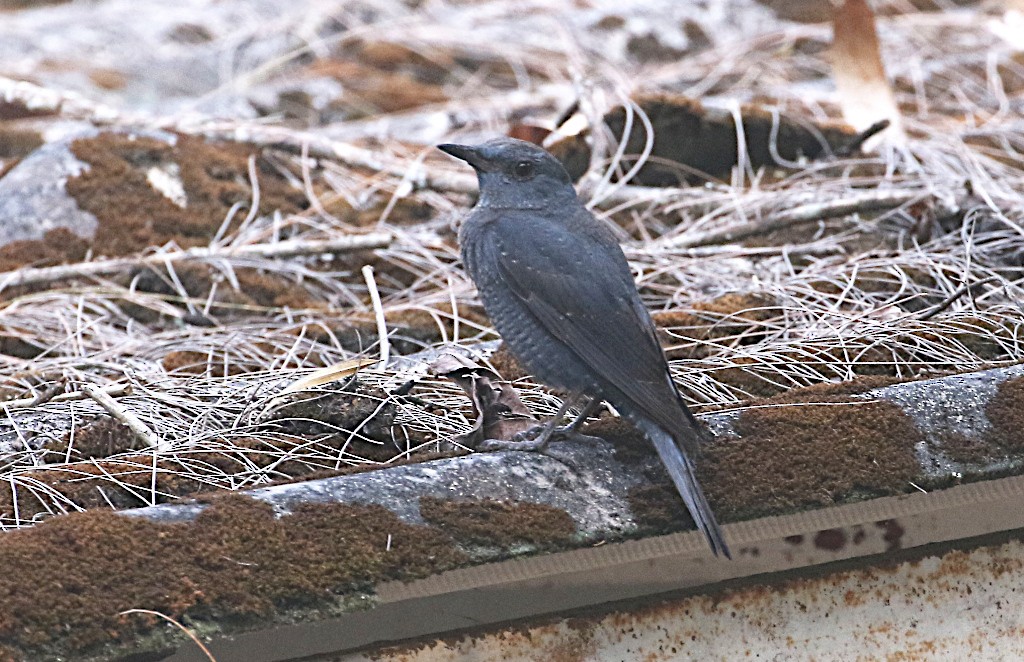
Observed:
{"x":578,"y":285}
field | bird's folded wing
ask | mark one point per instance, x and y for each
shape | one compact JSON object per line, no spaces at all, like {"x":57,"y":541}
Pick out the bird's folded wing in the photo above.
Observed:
{"x":582,"y":291}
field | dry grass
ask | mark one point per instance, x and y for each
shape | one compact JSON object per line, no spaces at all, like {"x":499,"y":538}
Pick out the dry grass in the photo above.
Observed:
{"x":910,"y":291}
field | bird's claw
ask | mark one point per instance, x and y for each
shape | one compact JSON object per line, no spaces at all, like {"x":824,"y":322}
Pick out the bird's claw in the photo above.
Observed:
{"x":533,"y":434}
{"x":517,"y":444}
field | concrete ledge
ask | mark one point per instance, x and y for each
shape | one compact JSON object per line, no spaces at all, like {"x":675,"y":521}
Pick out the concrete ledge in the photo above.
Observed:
{"x":611,"y":559}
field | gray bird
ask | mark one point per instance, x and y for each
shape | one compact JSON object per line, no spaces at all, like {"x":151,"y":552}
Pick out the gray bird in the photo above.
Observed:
{"x":558,"y":289}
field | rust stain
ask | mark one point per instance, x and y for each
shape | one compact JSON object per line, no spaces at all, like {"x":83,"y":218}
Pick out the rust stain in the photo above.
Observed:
{"x":892,"y":534}
{"x":936,"y":607}
{"x":831,"y":540}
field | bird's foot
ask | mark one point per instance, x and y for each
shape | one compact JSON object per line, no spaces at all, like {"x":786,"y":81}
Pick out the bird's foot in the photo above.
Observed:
{"x":534,"y":440}
{"x":526,"y":445}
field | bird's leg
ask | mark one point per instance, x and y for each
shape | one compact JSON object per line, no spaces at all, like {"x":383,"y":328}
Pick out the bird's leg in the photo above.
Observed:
{"x":530,"y":440}
{"x":538,"y":437}
{"x":592,"y":405}
{"x":551,"y":430}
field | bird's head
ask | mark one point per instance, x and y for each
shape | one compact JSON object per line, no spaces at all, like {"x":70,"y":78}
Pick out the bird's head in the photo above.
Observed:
{"x":515,"y":174}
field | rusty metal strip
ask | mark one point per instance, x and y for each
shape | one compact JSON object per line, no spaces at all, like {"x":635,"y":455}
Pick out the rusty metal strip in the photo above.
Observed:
{"x":995,"y":505}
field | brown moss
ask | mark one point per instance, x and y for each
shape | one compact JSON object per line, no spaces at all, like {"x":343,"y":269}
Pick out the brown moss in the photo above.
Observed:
{"x":417,"y":324}
{"x":746,"y":376}
{"x":133,"y":215}
{"x":406,"y":211}
{"x":805,"y":455}
{"x":693,"y":142}
{"x":337,"y":413}
{"x":863,"y":357}
{"x":18,"y":110}
{"x":370,"y":90}
{"x":734,"y":318}
{"x":488,"y":522}
{"x":214,"y":363}
{"x":108,"y":79}
{"x":311,"y":457}
{"x":56,"y":247}
{"x":18,"y":345}
{"x":102,"y":437}
{"x":126,"y":482}
{"x":784,"y":458}
{"x":28,"y":383}
{"x":507,"y":365}
{"x":255,"y":288}
{"x":970,"y":449}
{"x":307,"y":473}
{"x":391,"y":56}
{"x":16,"y":143}
{"x":1005,"y":411}
{"x":236,"y":563}
{"x":317,"y":433}
{"x":631,"y":447}
{"x":830,"y":391}
{"x":411,"y":329}
{"x":7,"y":166}
{"x":658,"y":509}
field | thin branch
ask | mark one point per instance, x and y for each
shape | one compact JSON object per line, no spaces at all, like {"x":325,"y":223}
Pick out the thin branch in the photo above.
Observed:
{"x":932,"y":312}
{"x":191,"y":635}
{"x":378,"y":312}
{"x":811,"y":213}
{"x":115,"y":390}
{"x":858,"y":141}
{"x":280,"y":249}
{"x":134,"y":423}
{"x":298,"y":142}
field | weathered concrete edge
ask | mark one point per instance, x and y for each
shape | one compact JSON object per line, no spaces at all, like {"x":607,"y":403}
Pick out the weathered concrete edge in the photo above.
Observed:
{"x":589,"y":483}
{"x":546,"y":584}
{"x":592,"y":492}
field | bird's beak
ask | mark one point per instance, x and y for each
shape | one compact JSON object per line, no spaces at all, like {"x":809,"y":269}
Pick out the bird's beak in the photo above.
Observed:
{"x":470,"y":155}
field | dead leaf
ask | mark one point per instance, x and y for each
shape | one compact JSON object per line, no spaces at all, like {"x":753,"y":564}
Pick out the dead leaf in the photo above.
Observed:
{"x":500,"y":414}
{"x":865,"y":95}
{"x":331,"y":373}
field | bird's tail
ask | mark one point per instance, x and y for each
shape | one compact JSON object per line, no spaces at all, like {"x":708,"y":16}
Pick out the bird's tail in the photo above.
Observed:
{"x":680,"y":468}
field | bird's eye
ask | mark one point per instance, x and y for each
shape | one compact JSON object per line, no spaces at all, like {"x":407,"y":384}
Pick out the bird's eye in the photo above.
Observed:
{"x":524,"y":170}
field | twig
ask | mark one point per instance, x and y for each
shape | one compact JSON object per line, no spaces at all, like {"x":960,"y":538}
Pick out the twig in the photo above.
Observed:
{"x":134,"y":423}
{"x":938,"y":308}
{"x":378,"y":312}
{"x":873,"y":201}
{"x":49,"y":393}
{"x":66,"y":104}
{"x":861,"y":138}
{"x":27,"y":403}
{"x":439,"y":121}
{"x":279,"y":249}
{"x":296,"y":142}
{"x":181,"y":627}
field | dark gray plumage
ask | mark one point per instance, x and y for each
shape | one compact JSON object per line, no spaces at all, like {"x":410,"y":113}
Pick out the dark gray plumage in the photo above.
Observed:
{"x":557,"y":286}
